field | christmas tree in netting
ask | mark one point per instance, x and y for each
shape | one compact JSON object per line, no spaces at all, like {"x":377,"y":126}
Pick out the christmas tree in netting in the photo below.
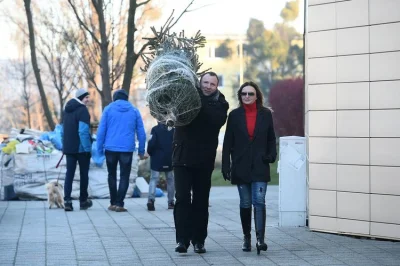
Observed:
{"x":172,"y":79}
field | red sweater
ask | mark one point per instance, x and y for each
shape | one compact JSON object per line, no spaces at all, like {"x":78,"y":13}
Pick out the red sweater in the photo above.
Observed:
{"x":251,"y":117}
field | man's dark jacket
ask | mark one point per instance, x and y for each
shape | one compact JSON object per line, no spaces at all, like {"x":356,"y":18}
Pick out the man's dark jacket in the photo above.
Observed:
{"x":195,"y":144}
{"x":159,"y":148}
{"x":249,"y":160}
{"x":76,"y":128}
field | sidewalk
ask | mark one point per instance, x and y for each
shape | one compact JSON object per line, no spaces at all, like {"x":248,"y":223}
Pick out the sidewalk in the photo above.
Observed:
{"x":31,"y":234}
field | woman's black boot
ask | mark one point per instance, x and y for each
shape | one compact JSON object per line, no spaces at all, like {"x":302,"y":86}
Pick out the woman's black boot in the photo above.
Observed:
{"x":245,"y":217}
{"x":259,"y":221}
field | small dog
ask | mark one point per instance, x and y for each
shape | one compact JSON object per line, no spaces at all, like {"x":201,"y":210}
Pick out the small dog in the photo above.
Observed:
{"x":55,"y":195}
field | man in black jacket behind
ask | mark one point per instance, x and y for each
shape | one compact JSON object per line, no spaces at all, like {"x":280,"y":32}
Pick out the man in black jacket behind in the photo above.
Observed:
{"x":193,"y":158}
{"x":77,"y":146}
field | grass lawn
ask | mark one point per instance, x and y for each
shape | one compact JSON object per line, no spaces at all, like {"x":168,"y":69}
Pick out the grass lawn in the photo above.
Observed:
{"x":218,"y":180}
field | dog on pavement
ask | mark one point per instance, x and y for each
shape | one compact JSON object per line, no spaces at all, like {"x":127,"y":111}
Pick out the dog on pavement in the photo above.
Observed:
{"x":55,"y":195}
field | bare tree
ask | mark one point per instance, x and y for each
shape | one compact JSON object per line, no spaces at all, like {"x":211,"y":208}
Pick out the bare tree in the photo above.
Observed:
{"x":35,"y":66}
{"x":23,"y":72}
{"x":62,"y":64}
{"x":112,"y":39}
{"x":58,"y":66}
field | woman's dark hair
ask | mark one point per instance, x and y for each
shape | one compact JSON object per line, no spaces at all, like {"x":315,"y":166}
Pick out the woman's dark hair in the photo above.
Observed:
{"x":260,"y":97}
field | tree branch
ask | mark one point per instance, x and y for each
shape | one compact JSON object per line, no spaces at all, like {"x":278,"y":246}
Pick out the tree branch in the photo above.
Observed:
{"x":143,"y":3}
{"x":183,"y":12}
{"x":82,"y":23}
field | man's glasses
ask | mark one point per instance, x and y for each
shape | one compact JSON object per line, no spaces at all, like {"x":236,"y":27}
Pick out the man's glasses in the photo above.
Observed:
{"x":247,"y":93}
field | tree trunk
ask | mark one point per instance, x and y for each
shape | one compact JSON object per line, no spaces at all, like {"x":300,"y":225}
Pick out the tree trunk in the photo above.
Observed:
{"x":35,"y":66}
{"x":61,"y":89}
{"x":29,"y":116}
{"x":105,"y":74}
{"x":27,"y":98}
{"x":131,"y":57}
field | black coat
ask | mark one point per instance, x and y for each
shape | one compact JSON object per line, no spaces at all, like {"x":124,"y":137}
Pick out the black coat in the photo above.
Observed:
{"x":76,"y":128}
{"x":195,"y":145}
{"x":248,"y":161}
{"x":159,"y":148}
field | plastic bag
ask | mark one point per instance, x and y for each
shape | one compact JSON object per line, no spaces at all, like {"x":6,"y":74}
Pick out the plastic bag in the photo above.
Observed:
{"x":97,"y":157}
{"x":55,"y":137}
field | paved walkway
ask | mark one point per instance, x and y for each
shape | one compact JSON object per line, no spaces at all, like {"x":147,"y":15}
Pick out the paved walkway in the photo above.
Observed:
{"x":31,"y":234}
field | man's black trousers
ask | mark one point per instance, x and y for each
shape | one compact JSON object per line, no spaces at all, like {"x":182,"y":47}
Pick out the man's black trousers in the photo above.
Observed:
{"x":191,"y":209}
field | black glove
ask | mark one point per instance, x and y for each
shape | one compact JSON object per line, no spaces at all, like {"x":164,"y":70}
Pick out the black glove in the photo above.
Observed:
{"x":88,"y":155}
{"x":226,"y":175}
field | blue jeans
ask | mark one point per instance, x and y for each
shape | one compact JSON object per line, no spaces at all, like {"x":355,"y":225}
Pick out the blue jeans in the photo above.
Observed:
{"x":252,"y":193}
{"x":84,"y":162}
{"x":155,"y":177}
{"x":125,"y":162}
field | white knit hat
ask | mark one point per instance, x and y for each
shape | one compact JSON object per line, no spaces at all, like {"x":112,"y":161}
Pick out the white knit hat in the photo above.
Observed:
{"x":81,"y":93}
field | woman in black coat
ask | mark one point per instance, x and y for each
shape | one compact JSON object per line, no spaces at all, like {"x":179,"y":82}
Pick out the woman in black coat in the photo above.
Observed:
{"x":249,"y":147}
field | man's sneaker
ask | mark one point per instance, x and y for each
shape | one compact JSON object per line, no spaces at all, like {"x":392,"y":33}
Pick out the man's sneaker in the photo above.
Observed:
{"x":120,"y":209}
{"x":86,"y":204}
{"x":150,"y":205}
{"x":112,"y":207}
{"x":171,"y":205}
{"x":68,"y":206}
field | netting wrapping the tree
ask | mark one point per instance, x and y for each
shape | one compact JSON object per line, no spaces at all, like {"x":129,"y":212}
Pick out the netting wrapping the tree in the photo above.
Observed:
{"x":171,"y":79}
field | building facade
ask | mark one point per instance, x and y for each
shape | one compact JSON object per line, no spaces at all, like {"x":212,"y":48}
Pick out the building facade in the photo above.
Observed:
{"x":352,"y":112}
{"x":229,"y":68}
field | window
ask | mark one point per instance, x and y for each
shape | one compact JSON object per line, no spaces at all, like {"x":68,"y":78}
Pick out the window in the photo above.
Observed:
{"x":211,"y":51}
{"x":224,"y":50}
{"x":221,"y":81}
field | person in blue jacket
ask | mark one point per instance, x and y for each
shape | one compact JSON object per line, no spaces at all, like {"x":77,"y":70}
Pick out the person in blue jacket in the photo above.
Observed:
{"x":77,"y":145}
{"x":159,"y":148}
{"x":119,"y":124}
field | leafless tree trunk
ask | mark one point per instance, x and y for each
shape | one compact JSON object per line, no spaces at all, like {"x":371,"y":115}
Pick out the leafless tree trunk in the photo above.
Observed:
{"x":97,"y":41}
{"x":26,"y":95}
{"x":22,"y":72}
{"x":61,"y":65}
{"x":101,"y":43}
{"x":35,"y":66}
{"x":105,"y":73}
{"x":131,"y":55}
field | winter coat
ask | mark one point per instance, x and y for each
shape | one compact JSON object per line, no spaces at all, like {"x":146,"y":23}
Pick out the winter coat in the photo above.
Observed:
{"x":119,"y":123}
{"x":76,"y":128}
{"x":195,"y":144}
{"x":248,"y":161}
{"x":159,"y":148}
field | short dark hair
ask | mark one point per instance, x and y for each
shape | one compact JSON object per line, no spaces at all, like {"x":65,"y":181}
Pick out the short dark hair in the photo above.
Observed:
{"x":212,"y":74}
{"x":260,"y":96}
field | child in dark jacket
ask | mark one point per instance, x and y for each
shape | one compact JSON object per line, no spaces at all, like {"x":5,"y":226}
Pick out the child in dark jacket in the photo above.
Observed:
{"x":160,"y":150}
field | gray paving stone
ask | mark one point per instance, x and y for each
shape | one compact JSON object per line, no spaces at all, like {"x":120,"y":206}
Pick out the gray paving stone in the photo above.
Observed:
{"x":61,"y":263}
{"x":293,"y":263}
{"x":6,"y":263}
{"x":322,"y":261}
{"x":138,"y":237}
{"x":93,"y":263}
{"x":6,"y":260}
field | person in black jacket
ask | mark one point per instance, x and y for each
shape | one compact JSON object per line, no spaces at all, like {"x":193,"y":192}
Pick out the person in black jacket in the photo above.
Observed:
{"x":193,"y":159}
{"x":249,"y":147}
{"x":159,"y":148}
{"x":77,"y":146}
